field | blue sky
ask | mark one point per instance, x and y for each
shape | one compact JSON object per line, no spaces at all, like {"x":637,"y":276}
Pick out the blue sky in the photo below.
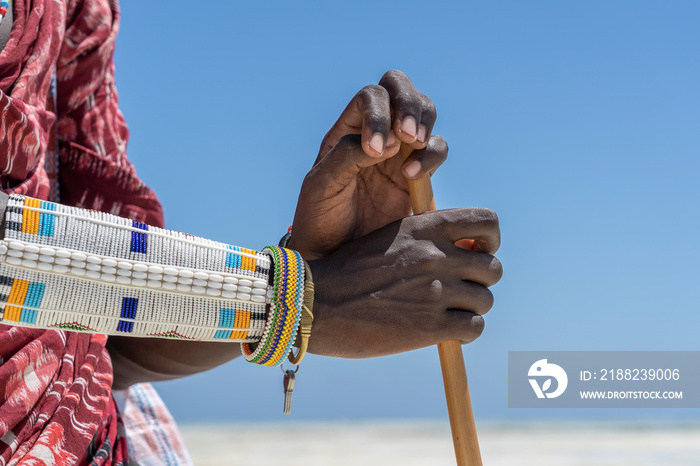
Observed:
{"x":577,"y":123}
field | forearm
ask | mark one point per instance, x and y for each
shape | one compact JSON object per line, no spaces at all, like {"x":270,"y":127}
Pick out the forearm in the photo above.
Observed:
{"x":78,"y":270}
{"x":152,"y":359}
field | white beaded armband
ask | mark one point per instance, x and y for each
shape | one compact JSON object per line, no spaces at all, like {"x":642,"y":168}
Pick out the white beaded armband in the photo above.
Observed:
{"x":68,"y":268}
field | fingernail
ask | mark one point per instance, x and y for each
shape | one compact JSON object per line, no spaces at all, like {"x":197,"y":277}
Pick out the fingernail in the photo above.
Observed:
{"x":391,"y":139}
{"x":422,"y":133}
{"x":377,"y":143}
{"x":412,"y":168}
{"x":408,"y":126}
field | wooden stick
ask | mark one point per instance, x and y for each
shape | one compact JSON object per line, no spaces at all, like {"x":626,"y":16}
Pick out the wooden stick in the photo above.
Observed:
{"x":454,"y":374}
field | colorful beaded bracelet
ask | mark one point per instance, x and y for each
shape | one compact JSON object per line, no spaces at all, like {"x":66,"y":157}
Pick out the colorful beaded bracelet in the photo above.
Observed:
{"x":73,"y":269}
{"x":285,"y":312}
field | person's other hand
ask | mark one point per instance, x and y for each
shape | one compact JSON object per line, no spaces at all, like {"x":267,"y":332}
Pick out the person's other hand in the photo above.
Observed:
{"x":407,"y":285}
{"x":358,"y":183}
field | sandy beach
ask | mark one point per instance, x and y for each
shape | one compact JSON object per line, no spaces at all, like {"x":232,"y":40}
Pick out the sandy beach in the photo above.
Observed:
{"x":414,"y":443}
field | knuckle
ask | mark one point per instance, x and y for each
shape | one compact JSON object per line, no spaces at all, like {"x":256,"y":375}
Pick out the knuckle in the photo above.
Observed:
{"x":447,"y":216}
{"x":487,"y":216}
{"x":435,"y":291}
{"x":496,"y":270}
{"x":435,"y":259}
{"x":406,"y":99}
{"x":470,"y":330}
{"x":431,"y":261}
{"x":371,"y":92}
{"x":485,"y":302}
{"x":437,"y":147}
{"x":393,"y":75}
{"x":477,"y":325}
{"x":429,"y":112}
{"x":438,"y":144}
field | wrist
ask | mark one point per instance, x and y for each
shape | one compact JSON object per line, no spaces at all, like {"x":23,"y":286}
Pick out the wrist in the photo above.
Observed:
{"x":325,"y":340}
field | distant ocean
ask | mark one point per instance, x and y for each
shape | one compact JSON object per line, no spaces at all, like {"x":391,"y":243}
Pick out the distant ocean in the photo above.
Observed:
{"x":428,"y":443}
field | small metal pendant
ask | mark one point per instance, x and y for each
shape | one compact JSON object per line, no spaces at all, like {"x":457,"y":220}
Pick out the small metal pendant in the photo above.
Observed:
{"x":288,"y":384}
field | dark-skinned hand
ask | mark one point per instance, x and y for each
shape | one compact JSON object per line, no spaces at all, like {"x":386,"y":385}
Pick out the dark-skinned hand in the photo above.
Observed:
{"x":386,"y":285}
{"x":340,"y":202}
{"x":406,"y":286}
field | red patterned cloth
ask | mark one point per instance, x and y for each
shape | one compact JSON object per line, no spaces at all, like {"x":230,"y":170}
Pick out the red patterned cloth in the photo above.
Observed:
{"x":55,"y":396}
{"x":55,"y":403}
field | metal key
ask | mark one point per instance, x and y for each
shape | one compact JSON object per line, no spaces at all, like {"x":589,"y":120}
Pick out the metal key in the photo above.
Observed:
{"x":288,"y":389}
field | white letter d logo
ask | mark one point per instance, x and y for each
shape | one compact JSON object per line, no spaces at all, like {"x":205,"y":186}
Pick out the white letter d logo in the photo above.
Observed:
{"x":542,"y":369}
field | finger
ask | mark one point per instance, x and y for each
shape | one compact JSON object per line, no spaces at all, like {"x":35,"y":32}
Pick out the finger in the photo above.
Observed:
{"x":343,"y":162}
{"x":474,"y":266}
{"x":479,"y":224}
{"x":427,"y":160}
{"x":462,"y":325}
{"x":373,"y":105}
{"x":414,"y":113}
{"x":469,"y":296}
{"x":368,"y":114}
